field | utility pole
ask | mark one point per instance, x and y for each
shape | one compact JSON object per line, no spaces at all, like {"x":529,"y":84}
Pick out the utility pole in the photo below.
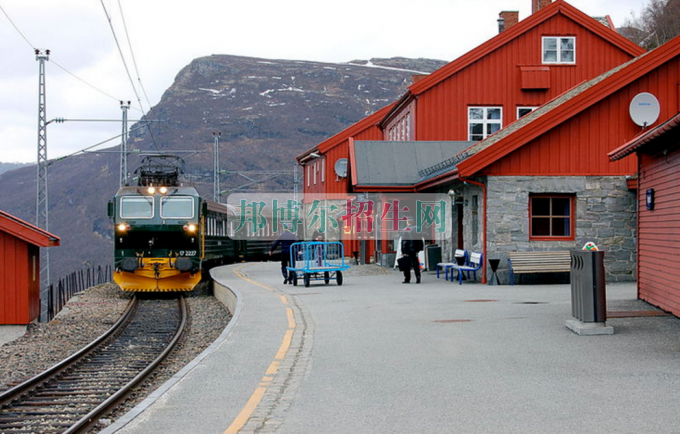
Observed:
{"x":41,"y":209}
{"x":123,"y":145}
{"x":216,"y":167}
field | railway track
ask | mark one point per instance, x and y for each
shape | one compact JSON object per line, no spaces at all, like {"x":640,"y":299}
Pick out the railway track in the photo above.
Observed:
{"x":71,"y":396}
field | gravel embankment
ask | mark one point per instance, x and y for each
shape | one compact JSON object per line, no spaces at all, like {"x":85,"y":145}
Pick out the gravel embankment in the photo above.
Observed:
{"x":87,"y":316}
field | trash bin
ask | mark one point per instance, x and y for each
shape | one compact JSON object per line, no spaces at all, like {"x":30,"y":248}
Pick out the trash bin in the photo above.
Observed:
{"x":588,"y":291}
{"x":433,"y":256}
{"x":388,"y":259}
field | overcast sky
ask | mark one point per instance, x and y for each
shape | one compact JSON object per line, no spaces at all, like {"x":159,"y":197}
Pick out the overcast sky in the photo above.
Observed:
{"x":86,"y":77}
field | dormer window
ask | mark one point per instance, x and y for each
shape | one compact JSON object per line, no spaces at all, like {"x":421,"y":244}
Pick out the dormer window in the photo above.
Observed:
{"x":559,"y":50}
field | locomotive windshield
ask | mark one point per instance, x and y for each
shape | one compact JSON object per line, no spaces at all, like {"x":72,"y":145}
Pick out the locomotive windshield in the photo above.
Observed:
{"x":177,"y":207}
{"x":136,"y":207}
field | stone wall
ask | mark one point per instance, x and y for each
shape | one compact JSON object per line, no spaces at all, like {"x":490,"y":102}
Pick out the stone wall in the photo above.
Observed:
{"x":605,"y":214}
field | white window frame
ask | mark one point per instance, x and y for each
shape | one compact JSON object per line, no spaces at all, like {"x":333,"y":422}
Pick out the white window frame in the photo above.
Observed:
{"x":485,"y":121}
{"x":525,"y":108}
{"x":559,"y":52}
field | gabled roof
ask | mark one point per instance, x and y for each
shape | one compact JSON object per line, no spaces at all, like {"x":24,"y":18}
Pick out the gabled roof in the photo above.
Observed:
{"x":564,"y":107}
{"x":503,"y":38}
{"x":348,"y":132}
{"x":553,"y":113}
{"x":640,"y":141}
{"x":26,"y":231}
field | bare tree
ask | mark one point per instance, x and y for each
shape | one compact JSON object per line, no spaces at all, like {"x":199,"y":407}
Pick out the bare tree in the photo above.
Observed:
{"x":658,"y":23}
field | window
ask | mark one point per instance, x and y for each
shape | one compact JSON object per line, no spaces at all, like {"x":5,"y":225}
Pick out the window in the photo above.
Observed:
{"x":559,"y":49}
{"x":483,"y":121}
{"x":177,"y":207}
{"x":522,"y":111}
{"x":136,"y":207}
{"x":551,"y":217}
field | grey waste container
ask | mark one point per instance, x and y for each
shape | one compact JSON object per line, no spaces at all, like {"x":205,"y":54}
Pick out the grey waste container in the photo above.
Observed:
{"x":588,"y":291}
{"x":433,"y":255}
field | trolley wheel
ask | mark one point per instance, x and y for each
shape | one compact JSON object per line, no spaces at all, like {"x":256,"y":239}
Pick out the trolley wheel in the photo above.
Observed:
{"x":292,"y":277}
{"x":307,"y":279}
{"x":338,"y":277}
{"x":327,"y":277}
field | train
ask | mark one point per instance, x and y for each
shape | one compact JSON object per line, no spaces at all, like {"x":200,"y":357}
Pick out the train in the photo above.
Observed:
{"x":166,"y":235}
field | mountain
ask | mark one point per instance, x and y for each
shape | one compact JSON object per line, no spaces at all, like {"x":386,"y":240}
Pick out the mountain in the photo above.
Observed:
{"x":6,"y":167}
{"x":266,"y":111}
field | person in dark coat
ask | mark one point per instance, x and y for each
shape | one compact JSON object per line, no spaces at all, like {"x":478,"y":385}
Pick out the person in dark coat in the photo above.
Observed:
{"x":411,"y":244}
{"x":285,"y":240}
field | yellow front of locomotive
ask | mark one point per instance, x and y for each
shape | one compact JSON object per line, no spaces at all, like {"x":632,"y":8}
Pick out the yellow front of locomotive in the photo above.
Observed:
{"x":158,"y":239}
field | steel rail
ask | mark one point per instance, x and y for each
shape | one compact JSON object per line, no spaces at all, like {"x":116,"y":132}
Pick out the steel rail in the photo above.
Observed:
{"x":15,"y":392}
{"x":102,"y":409}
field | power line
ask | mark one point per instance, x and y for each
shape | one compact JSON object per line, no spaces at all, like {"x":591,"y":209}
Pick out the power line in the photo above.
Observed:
{"x":16,"y":28}
{"x":56,"y":63}
{"x":132,"y":54}
{"x":127,"y":69}
{"x":84,"y":82}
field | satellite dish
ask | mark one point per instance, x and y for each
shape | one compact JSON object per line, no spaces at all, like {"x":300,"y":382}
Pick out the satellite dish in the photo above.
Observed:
{"x":644,"y":109}
{"x":341,"y":167}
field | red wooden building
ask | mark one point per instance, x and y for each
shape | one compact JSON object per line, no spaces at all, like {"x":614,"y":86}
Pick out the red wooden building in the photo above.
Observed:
{"x":523,"y":67}
{"x":546,"y":182}
{"x":520,"y":69}
{"x":326,"y":166}
{"x":20,"y":244}
{"x":658,"y":152}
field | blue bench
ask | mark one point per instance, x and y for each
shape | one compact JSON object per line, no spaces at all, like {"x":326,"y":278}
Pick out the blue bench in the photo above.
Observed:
{"x":459,"y":255}
{"x":473,"y":265}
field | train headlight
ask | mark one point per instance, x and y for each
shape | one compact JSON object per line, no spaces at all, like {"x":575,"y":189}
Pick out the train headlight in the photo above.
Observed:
{"x":123,"y":227}
{"x":190,"y":227}
{"x":163,"y":190}
{"x":151,"y":190}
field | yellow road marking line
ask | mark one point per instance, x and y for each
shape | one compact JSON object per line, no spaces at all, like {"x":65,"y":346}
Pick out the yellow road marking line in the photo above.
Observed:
{"x":244,"y":415}
{"x":259,"y":392}
{"x":287,"y":338}
{"x":291,"y":318}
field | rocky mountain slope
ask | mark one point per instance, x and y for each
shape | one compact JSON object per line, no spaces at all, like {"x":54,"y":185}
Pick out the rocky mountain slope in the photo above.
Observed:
{"x":267,"y":112}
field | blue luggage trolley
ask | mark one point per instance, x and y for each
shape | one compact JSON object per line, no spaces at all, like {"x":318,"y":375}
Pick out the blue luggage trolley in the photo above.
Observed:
{"x":316,"y":260}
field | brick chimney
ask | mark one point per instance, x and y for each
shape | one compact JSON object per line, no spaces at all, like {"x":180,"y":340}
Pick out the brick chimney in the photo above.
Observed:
{"x":537,"y":5}
{"x":507,"y":19}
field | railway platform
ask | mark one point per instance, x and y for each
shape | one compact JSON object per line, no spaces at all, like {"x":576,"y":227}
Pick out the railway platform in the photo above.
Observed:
{"x":376,"y":356}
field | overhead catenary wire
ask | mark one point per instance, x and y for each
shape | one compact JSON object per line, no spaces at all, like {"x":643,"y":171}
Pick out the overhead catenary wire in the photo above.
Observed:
{"x":54,"y":62}
{"x":132,"y":55}
{"x":17,"y":28}
{"x":125,"y":65}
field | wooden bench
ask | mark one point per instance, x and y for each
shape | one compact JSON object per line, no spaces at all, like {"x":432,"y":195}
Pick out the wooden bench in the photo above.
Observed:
{"x":538,"y":262}
{"x":473,"y":265}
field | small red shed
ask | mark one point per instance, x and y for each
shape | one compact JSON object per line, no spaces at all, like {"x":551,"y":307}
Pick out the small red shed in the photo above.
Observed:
{"x":20,"y":244}
{"x":658,"y":153}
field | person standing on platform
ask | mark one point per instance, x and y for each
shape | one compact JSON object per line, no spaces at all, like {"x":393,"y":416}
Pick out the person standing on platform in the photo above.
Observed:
{"x":284,"y":240}
{"x":411,"y":244}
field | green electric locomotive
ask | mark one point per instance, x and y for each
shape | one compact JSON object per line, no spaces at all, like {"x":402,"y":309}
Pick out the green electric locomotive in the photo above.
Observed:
{"x":165,"y":234}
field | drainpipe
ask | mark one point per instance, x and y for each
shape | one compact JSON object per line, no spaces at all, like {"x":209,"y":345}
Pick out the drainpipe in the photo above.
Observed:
{"x":483,"y":186}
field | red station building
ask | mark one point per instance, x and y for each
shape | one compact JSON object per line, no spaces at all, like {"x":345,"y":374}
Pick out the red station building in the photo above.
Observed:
{"x":658,"y":151}
{"x":20,"y":244}
{"x":528,"y":64}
